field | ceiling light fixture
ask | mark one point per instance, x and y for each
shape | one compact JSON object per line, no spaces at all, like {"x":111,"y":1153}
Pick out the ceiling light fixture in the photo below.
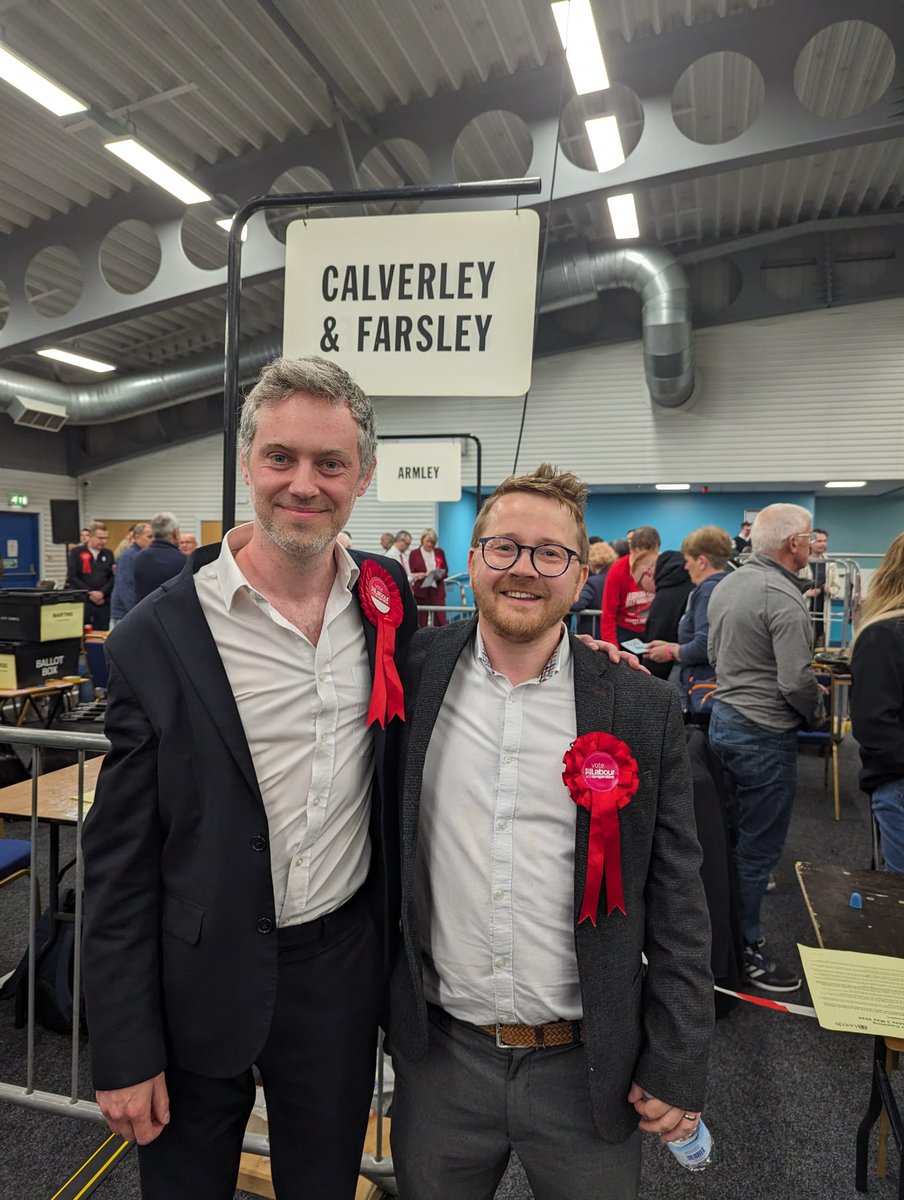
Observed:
{"x":36,"y":86}
{"x":226,"y":224}
{"x":843,"y":483}
{"x":673,"y":487}
{"x":77,"y":360}
{"x":605,"y":142}
{"x":155,"y":169}
{"x":583,"y":52}
{"x":623,"y":214}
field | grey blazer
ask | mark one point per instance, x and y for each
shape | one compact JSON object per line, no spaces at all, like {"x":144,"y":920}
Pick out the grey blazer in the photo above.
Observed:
{"x":652,"y":1026}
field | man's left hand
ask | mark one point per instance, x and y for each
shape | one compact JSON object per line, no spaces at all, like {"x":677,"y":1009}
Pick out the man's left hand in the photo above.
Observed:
{"x":656,"y":1116}
{"x":615,"y":655}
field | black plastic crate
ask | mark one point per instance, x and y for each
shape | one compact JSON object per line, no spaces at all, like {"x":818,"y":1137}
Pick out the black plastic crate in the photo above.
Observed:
{"x":35,"y":615}
{"x":31,"y":664}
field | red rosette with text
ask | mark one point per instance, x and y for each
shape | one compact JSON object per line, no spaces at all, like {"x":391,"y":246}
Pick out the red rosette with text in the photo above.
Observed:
{"x":381,"y":603}
{"x":601,"y":774}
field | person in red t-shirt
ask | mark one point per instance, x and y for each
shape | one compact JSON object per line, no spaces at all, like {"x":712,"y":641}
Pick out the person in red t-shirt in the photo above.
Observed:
{"x":629,"y":588}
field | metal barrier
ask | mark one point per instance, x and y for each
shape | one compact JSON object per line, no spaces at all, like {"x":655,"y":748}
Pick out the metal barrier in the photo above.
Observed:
{"x":376,"y":1168}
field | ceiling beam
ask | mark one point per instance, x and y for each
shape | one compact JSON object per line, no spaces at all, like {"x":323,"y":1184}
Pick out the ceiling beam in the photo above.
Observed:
{"x":773,"y":37}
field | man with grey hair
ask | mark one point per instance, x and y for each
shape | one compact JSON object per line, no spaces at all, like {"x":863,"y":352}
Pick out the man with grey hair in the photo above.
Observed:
{"x":162,"y":559}
{"x":760,"y":646}
{"x":241,"y":858}
{"x":399,"y":548}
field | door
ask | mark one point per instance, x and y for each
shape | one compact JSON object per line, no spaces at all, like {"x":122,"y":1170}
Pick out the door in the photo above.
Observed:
{"x":19,"y":549}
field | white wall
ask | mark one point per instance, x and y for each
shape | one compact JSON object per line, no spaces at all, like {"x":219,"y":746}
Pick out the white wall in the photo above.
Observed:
{"x":812,"y":396}
{"x":40,"y":489}
{"x":186,"y":480}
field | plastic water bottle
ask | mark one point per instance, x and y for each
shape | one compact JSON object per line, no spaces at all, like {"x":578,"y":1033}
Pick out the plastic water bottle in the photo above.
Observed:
{"x":694,"y":1151}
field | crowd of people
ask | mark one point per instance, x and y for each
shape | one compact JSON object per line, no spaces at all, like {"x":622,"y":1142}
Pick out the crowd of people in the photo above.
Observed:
{"x":115,"y":580}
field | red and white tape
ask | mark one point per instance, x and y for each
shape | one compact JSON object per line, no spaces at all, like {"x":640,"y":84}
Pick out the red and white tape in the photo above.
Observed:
{"x":800,"y":1010}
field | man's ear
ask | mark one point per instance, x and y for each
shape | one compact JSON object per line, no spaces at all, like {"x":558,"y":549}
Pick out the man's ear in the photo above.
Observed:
{"x":364,"y":481}
{"x":585,"y":571}
{"x":244,"y":467}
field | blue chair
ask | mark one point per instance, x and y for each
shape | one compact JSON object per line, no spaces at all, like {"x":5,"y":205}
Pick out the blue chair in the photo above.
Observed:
{"x":828,"y":737}
{"x":15,"y":863}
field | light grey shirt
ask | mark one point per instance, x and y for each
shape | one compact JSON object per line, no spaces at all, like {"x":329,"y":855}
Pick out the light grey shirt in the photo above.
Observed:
{"x":495,"y":864}
{"x":760,"y":646}
{"x":303,"y":709}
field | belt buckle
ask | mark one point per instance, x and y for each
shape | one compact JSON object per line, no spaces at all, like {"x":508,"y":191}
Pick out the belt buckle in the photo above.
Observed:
{"x":499,"y":1042}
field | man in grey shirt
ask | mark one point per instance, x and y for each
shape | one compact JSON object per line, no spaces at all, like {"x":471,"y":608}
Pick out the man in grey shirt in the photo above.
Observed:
{"x":760,"y":646}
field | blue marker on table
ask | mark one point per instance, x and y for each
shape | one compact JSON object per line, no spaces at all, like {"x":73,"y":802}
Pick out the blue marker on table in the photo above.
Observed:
{"x":856,"y":900}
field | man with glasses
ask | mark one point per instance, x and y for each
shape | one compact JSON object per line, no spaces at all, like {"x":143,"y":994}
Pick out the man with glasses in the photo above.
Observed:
{"x":760,"y":646}
{"x":522,"y":1016}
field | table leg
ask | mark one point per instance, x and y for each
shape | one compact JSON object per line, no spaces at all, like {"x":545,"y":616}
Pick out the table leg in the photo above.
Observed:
{"x":872,"y":1113}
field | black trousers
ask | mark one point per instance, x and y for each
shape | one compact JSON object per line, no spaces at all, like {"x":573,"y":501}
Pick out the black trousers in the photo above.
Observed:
{"x":97,"y":615}
{"x":317,"y":1067}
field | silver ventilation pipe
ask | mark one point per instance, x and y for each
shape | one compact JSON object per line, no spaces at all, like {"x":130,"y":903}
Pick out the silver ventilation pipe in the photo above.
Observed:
{"x":571,"y":277}
{"x":132,"y":395}
{"x":574,"y":277}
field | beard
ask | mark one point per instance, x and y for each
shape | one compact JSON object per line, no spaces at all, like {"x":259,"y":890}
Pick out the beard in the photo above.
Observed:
{"x":300,"y":543}
{"x":516,"y":625}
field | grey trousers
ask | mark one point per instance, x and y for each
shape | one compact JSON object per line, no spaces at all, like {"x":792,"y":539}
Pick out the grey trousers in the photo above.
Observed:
{"x":458,"y":1115}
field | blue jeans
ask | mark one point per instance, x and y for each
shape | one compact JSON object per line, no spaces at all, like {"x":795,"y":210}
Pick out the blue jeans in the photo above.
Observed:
{"x":762,"y":767}
{"x":888,"y":806}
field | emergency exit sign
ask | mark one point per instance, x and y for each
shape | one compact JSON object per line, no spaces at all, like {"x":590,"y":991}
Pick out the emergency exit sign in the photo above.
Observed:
{"x":17,"y":501}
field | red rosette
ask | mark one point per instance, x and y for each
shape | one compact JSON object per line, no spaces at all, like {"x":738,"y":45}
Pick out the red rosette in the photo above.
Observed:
{"x":601,"y":774}
{"x":381,"y":603}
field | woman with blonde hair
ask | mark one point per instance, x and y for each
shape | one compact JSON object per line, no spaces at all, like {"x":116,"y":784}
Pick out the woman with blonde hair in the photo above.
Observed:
{"x":428,"y":563}
{"x":877,"y":701}
{"x":600,"y":559}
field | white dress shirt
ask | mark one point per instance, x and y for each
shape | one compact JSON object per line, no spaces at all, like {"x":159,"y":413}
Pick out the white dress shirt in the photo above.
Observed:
{"x":401,"y":556}
{"x":495,"y":863}
{"x":303,"y":709}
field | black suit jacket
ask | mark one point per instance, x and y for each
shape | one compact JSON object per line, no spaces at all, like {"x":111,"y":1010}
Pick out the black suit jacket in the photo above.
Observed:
{"x":180,"y":928}
{"x":652,"y":1026}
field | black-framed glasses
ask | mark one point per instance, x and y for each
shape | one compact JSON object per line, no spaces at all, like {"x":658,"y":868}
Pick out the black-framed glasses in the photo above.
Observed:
{"x":549,"y":558}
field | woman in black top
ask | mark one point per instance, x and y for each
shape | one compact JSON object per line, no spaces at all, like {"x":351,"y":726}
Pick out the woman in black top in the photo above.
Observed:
{"x":877,"y":701}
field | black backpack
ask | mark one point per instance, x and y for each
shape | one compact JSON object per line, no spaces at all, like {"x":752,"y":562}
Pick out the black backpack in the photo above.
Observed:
{"x":55,"y":952}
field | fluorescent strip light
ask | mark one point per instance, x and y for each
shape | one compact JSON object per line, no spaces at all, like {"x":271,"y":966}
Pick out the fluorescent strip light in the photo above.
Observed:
{"x":157,"y":170}
{"x":76,"y":360}
{"x":842,"y":483}
{"x":605,"y":142}
{"x":623,"y":213}
{"x":673,"y":487}
{"x":37,"y":86}
{"x":583,"y":52}
{"x":226,"y":224}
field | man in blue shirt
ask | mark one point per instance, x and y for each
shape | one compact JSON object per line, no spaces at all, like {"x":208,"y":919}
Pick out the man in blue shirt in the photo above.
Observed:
{"x":123,"y":597}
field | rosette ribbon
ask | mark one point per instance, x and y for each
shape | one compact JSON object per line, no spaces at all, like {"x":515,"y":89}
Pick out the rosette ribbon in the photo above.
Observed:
{"x":381,"y":603}
{"x":602,"y":776}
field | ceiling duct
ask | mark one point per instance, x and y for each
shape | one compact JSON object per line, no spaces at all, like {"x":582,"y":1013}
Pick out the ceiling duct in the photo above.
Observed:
{"x":576,"y":276}
{"x":133,"y":395}
{"x":571,"y":277}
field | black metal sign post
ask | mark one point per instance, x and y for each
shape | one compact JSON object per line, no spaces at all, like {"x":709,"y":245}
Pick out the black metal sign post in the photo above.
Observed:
{"x":451,"y":191}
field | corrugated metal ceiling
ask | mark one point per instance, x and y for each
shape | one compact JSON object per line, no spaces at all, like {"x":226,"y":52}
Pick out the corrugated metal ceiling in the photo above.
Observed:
{"x":204,"y":82}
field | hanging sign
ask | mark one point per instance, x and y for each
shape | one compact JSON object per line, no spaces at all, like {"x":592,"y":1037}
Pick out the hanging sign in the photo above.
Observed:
{"x":437,"y":304}
{"x":419,"y":471}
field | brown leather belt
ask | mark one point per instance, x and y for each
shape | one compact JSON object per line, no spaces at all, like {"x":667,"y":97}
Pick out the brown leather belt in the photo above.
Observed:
{"x":536,"y":1037}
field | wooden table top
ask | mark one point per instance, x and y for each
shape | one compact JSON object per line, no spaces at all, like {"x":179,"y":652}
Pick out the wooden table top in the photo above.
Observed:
{"x":876,"y":928}
{"x":42,"y":689}
{"x":55,"y":793}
